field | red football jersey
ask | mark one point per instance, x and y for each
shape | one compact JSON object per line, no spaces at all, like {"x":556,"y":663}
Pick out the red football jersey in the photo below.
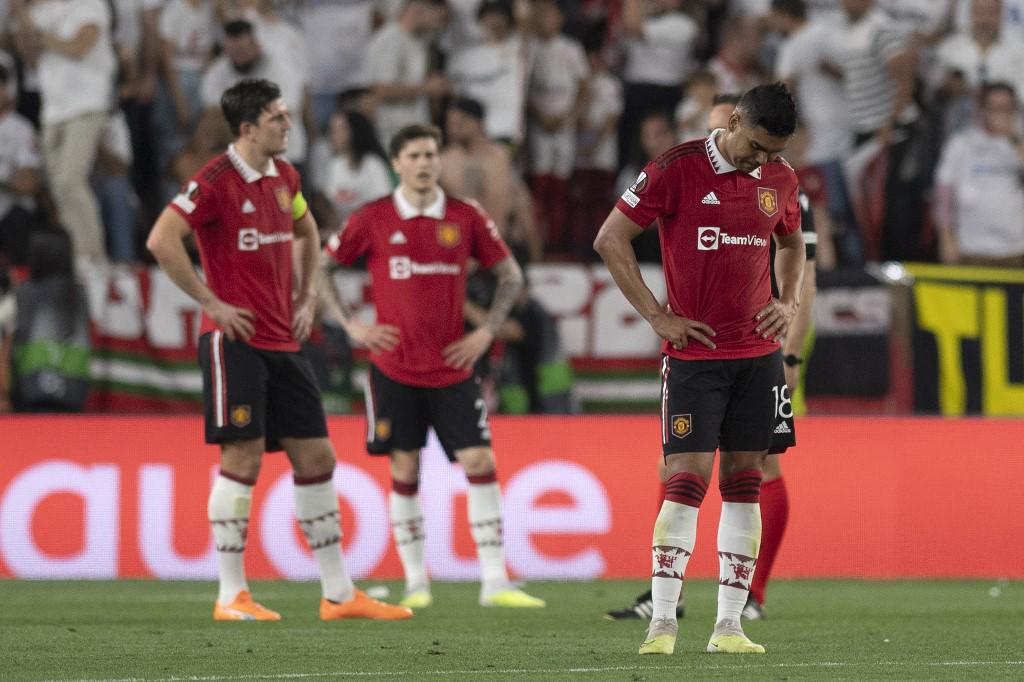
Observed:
{"x":243,"y":221}
{"x":417,"y":265}
{"x":715,"y":225}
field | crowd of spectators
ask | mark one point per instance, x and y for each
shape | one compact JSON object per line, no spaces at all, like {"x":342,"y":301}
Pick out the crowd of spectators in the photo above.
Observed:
{"x":107,"y":105}
{"x":909,"y":146}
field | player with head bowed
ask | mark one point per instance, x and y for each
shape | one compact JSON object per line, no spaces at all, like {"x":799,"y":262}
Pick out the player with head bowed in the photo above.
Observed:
{"x":246,"y":211}
{"x":718,"y":202}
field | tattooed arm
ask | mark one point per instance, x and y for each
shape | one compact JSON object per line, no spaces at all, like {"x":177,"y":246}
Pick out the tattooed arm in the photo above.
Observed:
{"x":374,"y":337}
{"x":467,"y":350}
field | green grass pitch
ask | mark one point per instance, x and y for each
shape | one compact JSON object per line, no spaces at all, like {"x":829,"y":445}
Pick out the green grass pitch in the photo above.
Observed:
{"x":819,"y":630}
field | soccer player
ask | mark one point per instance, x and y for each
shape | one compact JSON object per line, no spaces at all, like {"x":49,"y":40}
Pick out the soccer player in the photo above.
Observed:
{"x":717,"y":202}
{"x":774,"y":499}
{"x":245,"y":208}
{"x":417,"y":243}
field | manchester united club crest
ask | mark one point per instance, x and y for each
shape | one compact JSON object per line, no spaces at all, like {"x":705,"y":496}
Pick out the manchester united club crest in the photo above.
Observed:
{"x":284,"y":199}
{"x":767,"y":201}
{"x":241,"y":415}
{"x":382,"y":429}
{"x":448,"y":235}
{"x":682,"y":425}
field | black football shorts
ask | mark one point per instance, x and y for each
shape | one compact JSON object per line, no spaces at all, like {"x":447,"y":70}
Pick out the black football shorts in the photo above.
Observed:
{"x":254,"y":393}
{"x":736,"y":405}
{"x":398,"y":415}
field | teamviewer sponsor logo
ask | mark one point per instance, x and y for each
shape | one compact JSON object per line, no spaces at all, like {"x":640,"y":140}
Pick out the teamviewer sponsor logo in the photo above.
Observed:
{"x":400,"y":267}
{"x":248,"y":239}
{"x":707,"y":238}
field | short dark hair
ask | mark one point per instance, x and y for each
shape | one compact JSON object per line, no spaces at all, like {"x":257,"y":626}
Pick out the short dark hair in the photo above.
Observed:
{"x":469,"y":106}
{"x":771,"y":107}
{"x":725,"y":98}
{"x":416,"y":131}
{"x":792,"y":8}
{"x":237,"y":28}
{"x":502,"y":7}
{"x":991,"y":87}
{"x":244,"y":101}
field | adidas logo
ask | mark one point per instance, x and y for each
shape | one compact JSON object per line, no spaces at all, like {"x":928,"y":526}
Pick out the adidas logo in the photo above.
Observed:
{"x":397,"y":238}
{"x":783,"y":427}
{"x":710,"y":199}
{"x":247,"y":207}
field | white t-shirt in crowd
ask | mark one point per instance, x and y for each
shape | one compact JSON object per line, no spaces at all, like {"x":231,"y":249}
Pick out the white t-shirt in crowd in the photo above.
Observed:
{"x":191,"y":30}
{"x":19,"y":148}
{"x":71,"y":87}
{"x":283,"y":38}
{"x":559,"y":66}
{"x":221,"y":75}
{"x":495,"y":75}
{"x":917,"y":16}
{"x":128,"y":28}
{"x":606,"y":100}
{"x":984,"y":172}
{"x":349,"y":188}
{"x":395,"y":56}
{"x":1004,"y":61}
{"x":664,"y":56}
{"x":829,"y":11}
{"x":337,"y":33}
{"x":1012,"y":29}
{"x":819,"y":97}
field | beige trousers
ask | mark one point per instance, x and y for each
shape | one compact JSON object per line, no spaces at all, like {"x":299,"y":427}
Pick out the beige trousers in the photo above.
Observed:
{"x":69,"y":151}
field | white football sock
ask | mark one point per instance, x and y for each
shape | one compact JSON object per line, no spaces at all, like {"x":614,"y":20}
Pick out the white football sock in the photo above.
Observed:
{"x":228,"y":512}
{"x":316,"y":505}
{"x":739,"y":540}
{"x":675,"y":533}
{"x":407,"y":529}
{"x":483,"y":503}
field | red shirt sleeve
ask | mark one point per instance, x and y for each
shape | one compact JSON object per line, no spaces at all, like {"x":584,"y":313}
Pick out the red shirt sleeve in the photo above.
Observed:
{"x":351,"y":241}
{"x":196,"y":203}
{"x":789,"y":221}
{"x":488,"y":246}
{"x":653,"y":195}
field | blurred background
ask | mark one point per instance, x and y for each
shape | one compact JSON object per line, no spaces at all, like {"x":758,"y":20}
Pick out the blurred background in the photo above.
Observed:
{"x":909,"y":149}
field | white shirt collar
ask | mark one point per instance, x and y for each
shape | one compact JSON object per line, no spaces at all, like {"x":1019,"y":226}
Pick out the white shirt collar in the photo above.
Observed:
{"x":717,"y":159}
{"x":248,"y":173}
{"x":407,"y":211}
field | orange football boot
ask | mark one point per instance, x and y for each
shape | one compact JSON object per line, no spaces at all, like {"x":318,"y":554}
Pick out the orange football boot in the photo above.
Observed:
{"x":362,"y":606}
{"x":243,"y":608}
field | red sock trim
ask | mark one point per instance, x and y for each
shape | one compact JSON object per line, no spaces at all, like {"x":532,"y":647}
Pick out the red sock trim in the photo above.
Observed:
{"x":774,"y":516}
{"x":406,"y":489}
{"x":314,"y":480}
{"x":483,"y":479}
{"x":686,"y":488}
{"x":743,"y":486}
{"x":236,"y":478}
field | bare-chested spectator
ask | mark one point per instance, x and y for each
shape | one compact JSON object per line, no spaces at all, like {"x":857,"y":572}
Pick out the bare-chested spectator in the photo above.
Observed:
{"x":472,"y":165}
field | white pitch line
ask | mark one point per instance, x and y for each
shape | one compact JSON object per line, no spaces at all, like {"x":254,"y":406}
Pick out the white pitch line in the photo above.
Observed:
{"x":531,"y":671}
